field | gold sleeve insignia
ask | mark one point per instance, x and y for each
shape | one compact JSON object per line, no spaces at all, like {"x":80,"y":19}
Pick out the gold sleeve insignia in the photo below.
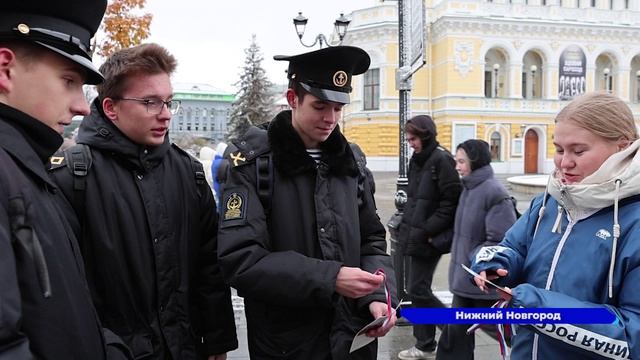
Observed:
{"x":234,"y":206}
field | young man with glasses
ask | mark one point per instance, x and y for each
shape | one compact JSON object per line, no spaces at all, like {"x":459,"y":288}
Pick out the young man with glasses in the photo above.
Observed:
{"x":147,"y":217}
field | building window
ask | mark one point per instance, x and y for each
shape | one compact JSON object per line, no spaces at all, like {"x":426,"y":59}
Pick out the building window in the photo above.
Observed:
{"x":462,"y":133}
{"x":372,"y":89}
{"x":495,"y":146}
{"x":488,"y":84}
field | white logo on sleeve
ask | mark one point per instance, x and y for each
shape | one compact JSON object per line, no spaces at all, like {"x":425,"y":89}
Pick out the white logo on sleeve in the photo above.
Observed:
{"x":488,"y":252}
{"x":603,"y":234}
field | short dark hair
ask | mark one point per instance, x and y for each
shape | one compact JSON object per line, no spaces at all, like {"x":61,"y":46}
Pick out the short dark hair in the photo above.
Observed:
{"x":412,"y":129}
{"x":25,"y":50}
{"x":142,"y":59}
{"x":298,"y":90}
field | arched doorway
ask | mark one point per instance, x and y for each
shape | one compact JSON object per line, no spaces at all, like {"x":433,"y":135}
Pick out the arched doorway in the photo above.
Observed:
{"x":495,"y":146}
{"x":531,"y":152}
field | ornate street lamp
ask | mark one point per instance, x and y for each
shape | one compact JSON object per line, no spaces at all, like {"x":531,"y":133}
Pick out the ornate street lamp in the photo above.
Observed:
{"x":606,"y":73}
{"x":638,"y":86}
{"x":340,"y":26}
{"x":533,"y":80}
{"x":496,"y":68}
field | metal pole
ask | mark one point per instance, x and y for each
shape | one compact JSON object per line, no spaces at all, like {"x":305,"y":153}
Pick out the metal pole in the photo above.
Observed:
{"x":403,"y":83}
{"x":403,"y":90}
{"x":403,"y":79}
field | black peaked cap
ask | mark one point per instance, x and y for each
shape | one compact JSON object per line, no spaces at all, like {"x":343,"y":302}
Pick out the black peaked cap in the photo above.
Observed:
{"x":327,"y":73}
{"x":62,"y":26}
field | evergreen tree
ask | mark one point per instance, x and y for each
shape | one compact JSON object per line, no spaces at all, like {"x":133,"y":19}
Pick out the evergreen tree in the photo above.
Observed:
{"x":254,"y":99}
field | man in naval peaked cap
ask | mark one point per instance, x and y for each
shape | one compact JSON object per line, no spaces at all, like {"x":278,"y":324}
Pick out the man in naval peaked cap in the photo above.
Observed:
{"x":327,"y":73}
{"x":45,"y":305}
{"x":62,"y":26}
{"x":299,"y":235}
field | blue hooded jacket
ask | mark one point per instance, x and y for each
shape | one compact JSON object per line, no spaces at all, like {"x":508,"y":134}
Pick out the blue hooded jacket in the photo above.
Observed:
{"x":592,"y":261}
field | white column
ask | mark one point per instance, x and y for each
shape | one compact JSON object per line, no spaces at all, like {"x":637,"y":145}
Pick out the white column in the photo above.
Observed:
{"x":621,"y":83}
{"x":592,"y":77}
{"x":515,"y":81}
{"x":551,"y":87}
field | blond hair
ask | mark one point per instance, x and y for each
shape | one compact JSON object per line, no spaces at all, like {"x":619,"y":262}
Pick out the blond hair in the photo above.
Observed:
{"x":602,"y":114}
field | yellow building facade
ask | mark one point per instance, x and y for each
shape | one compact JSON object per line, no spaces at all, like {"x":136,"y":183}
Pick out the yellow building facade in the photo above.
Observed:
{"x":497,"y":71}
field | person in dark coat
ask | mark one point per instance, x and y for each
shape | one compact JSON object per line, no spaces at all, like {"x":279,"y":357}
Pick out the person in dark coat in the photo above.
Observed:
{"x":45,"y":305}
{"x":484,"y":214}
{"x":432,"y":197}
{"x":305,"y":258}
{"x":148,"y":218}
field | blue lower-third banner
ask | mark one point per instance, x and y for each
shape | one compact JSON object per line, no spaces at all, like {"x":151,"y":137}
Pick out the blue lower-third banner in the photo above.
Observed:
{"x":509,"y":316}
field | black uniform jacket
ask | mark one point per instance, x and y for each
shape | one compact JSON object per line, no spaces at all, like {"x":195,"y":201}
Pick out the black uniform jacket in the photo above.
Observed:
{"x":285,"y":265}
{"x":149,"y":245}
{"x":45,"y":304}
{"x":433,"y":193}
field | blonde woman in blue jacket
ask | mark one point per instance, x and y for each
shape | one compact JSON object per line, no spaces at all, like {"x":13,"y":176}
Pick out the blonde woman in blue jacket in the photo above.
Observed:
{"x":578,"y":245}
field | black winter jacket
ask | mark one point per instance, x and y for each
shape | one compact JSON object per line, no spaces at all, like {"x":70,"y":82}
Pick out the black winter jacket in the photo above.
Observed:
{"x":149,"y":244}
{"x":285,"y":265}
{"x":432,"y":197}
{"x":45,"y":304}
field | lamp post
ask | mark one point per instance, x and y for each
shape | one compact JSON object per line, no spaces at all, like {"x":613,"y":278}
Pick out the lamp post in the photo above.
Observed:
{"x":606,"y":72}
{"x":340,"y":26}
{"x":533,"y":80}
{"x":638,"y":86}
{"x":496,"y":68}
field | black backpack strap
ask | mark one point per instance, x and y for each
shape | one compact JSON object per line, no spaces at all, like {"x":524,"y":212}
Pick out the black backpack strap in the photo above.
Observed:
{"x":79,"y":160}
{"x":197,"y":168}
{"x":198,"y":174}
{"x":264,"y":181}
{"x":434,"y":161}
{"x":363,"y":172}
{"x":221,"y":174}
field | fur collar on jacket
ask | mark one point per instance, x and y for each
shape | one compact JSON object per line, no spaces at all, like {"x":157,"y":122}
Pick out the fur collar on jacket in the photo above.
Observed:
{"x":290,"y":155}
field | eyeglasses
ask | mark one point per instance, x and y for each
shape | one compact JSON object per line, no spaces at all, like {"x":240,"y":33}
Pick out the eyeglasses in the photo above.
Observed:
{"x":154,"y":106}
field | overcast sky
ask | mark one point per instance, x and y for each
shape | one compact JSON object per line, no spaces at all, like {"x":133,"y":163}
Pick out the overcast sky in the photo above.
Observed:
{"x":209,"y":37}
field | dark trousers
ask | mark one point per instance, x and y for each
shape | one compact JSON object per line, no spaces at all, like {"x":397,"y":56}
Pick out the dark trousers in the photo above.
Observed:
{"x":421,"y":270}
{"x":454,"y":342}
